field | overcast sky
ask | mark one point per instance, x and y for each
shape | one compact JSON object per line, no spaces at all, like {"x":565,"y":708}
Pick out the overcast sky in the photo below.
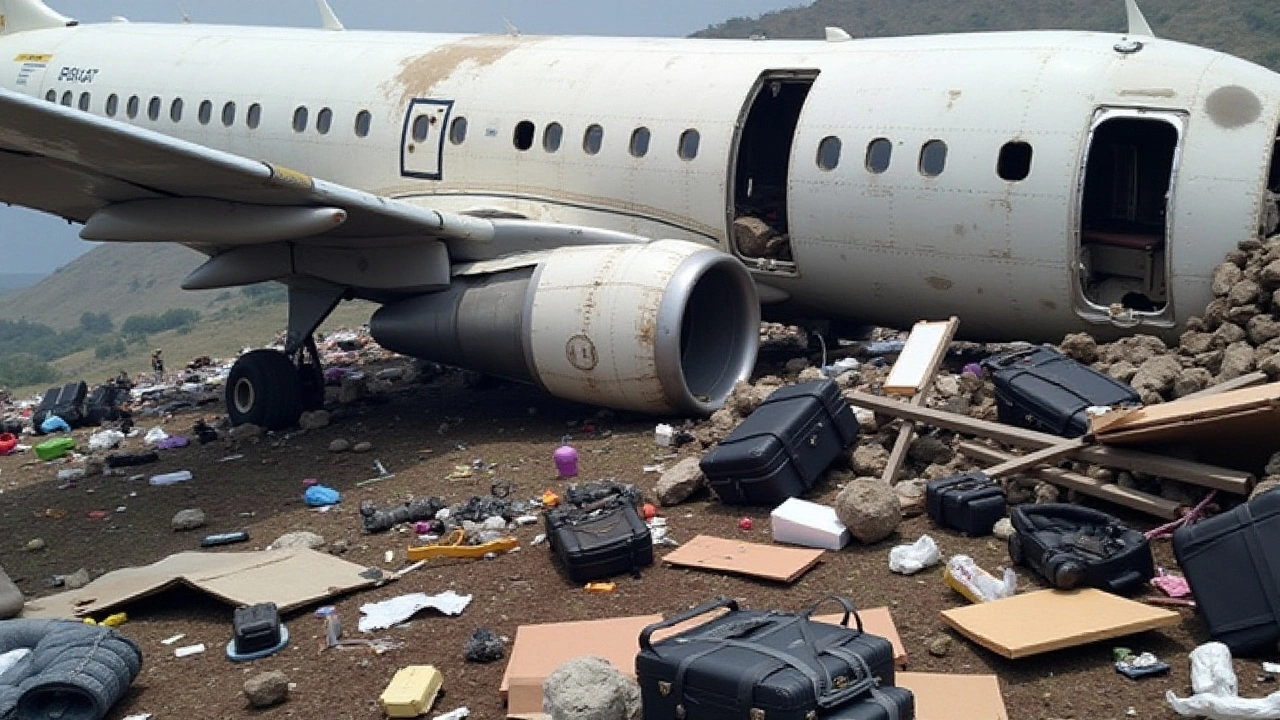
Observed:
{"x":32,"y":242}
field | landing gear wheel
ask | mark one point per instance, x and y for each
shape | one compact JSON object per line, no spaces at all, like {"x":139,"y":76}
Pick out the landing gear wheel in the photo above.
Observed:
{"x":1015,"y":549}
{"x":263,"y":389}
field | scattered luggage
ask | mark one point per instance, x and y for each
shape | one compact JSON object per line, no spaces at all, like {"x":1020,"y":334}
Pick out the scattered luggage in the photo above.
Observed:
{"x":780,"y":450}
{"x":1042,"y":389}
{"x":102,"y":405}
{"x":971,"y":502}
{"x":66,"y":402}
{"x":776,"y":665}
{"x":599,"y":540}
{"x":1230,"y":562}
{"x":1073,"y":546}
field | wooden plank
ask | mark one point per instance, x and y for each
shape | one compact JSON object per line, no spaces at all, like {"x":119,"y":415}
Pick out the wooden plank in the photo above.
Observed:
{"x":908,"y":430}
{"x":922,"y":353}
{"x":1233,"y":481}
{"x":1244,"y":381}
{"x":1111,"y":492}
{"x":1013,"y":464}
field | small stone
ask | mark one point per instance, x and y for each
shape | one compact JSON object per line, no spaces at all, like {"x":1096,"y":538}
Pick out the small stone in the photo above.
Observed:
{"x":76,"y":580}
{"x":869,"y":459}
{"x":1003,"y":529}
{"x":314,"y":420}
{"x":35,"y":545}
{"x":911,"y":496}
{"x":339,"y":446}
{"x":362,"y":447}
{"x":1080,"y":347}
{"x":940,"y":646}
{"x":267,"y":689}
{"x":930,"y":450}
{"x":681,"y":481}
{"x":339,"y":547}
{"x":248,"y":431}
{"x":188,"y":519}
{"x":301,"y":539}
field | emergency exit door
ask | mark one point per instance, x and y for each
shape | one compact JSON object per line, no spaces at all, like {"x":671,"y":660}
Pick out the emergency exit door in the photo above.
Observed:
{"x":422,"y":141}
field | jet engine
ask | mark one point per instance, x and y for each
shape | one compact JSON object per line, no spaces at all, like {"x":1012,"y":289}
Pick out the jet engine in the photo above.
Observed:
{"x":663,"y":327}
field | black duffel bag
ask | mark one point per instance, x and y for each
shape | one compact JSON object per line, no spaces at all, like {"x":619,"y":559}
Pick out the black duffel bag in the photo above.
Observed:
{"x":748,"y":664}
{"x":1072,"y":546}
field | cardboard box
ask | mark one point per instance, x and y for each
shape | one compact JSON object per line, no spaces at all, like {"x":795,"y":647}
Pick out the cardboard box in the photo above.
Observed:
{"x":412,"y":691}
{"x":770,"y":562}
{"x":800,"y":522}
{"x":539,"y":649}
{"x":954,"y":697}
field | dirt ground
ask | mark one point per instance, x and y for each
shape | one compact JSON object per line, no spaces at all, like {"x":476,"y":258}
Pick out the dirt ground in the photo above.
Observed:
{"x":421,"y":432}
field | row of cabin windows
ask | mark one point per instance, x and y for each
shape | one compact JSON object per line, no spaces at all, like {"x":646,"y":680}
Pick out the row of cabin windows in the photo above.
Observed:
{"x":204,"y":113}
{"x":1013,"y":164}
{"x":525,"y":134}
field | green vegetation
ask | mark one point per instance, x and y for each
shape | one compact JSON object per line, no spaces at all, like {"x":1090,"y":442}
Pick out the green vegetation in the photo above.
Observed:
{"x":140,"y":326}
{"x":267,"y":293}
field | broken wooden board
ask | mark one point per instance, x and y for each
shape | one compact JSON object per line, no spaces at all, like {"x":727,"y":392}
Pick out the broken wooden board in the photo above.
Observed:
{"x":540,"y":649}
{"x":1045,"y":620}
{"x":954,"y":697}
{"x":922,"y":353}
{"x":906,"y":433}
{"x":769,"y":562}
{"x":1237,"y":417}
{"x":875,"y":621}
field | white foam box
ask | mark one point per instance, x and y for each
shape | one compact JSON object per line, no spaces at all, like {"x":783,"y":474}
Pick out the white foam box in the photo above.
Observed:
{"x":800,"y":522}
{"x":412,"y":691}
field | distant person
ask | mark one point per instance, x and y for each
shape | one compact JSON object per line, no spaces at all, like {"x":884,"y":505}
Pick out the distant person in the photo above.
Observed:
{"x":157,"y":364}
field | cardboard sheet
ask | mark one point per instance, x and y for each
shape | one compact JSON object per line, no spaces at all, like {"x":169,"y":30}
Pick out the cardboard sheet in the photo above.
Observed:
{"x":875,"y":621}
{"x":540,"y":649}
{"x":290,"y":578}
{"x":1238,"y":417}
{"x":955,"y":697}
{"x":770,"y":562}
{"x":1045,"y":620}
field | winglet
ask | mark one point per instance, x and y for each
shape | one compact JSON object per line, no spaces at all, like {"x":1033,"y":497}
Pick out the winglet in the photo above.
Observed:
{"x":327,"y":16}
{"x":19,"y":15}
{"x":1137,"y":22}
{"x":835,"y":34}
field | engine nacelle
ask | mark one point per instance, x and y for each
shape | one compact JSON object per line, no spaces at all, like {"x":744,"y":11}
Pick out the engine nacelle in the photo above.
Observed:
{"x":663,"y":327}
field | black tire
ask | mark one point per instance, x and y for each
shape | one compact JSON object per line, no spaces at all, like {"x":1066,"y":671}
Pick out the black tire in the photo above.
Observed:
{"x":311,"y":387}
{"x":1016,"y":554}
{"x":263,"y":389}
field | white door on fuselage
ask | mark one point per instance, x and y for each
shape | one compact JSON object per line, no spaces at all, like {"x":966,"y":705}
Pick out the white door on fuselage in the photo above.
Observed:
{"x":422,"y":141}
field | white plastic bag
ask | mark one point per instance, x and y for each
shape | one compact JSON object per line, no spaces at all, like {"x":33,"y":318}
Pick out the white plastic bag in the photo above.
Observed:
{"x":105,"y":440}
{"x":1214,"y":683}
{"x":154,"y":435}
{"x":967,"y":578}
{"x":911,"y":559}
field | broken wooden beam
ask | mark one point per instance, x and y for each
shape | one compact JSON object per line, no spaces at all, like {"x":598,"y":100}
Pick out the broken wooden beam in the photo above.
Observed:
{"x":941,"y":338}
{"x":1014,"y":464}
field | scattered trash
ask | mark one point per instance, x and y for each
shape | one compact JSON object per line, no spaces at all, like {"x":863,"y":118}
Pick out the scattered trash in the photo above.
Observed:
{"x":484,"y":647}
{"x":55,"y":448}
{"x":800,"y":522}
{"x":964,"y":576}
{"x":154,"y":435}
{"x":664,"y":435}
{"x":321,"y":496}
{"x":104,"y":440}
{"x":1137,"y":667}
{"x":460,"y":714}
{"x":412,"y":691}
{"x":385,"y":614}
{"x":376,"y":520}
{"x":744,"y":523}
{"x":452,"y":545}
{"x":53,"y":424}
{"x":170,"y":478}
{"x":189,"y":650}
{"x":1216,"y":691}
{"x":256,"y":632}
{"x":383,"y":474}
{"x":1175,"y":586}
{"x":173,"y":639}
{"x":602,"y":588}
{"x":172,"y":442}
{"x":550,"y":499}
{"x":566,"y":460}
{"x":911,"y":559}
{"x":226,"y":538}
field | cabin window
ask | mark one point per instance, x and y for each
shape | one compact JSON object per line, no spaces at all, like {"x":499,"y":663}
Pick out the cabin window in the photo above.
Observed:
{"x":175,"y":110}
{"x":66,"y":98}
{"x":51,"y":96}
{"x":229,"y":114}
{"x":254,"y":117}
{"x":1015,"y":161}
{"x":829,"y":153}
{"x":324,"y":121}
{"x":593,"y":139}
{"x":552,"y":137}
{"x":640,"y":142}
{"x":205,"y":113}
{"x":933,"y":158}
{"x":131,"y":107}
{"x":113,"y":104}
{"x":879,"y":154}
{"x":421,"y":128}
{"x":84,"y":101}
{"x":363,"y":121}
{"x":153,"y":108}
{"x":458,"y":130}
{"x":688,"y":147}
{"x":300,"y":118}
{"x":523,"y":136}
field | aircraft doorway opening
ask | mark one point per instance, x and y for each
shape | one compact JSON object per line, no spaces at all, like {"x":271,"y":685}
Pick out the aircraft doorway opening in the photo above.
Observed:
{"x":759,"y":232}
{"x":1126,"y":205}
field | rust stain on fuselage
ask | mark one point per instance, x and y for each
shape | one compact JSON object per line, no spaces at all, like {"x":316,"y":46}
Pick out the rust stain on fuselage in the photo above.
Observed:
{"x":420,"y":74}
{"x":940,"y":283}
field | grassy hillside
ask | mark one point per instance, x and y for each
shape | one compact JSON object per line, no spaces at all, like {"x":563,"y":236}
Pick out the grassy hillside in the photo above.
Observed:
{"x":12,"y":282}
{"x":1248,"y":28}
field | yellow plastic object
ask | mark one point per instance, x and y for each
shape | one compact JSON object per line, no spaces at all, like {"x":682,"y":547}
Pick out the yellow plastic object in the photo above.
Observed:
{"x":412,"y":691}
{"x":451,"y":546}
{"x":600,"y":587}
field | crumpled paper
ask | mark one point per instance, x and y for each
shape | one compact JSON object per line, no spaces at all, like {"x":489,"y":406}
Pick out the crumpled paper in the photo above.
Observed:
{"x":911,"y":559}
{"x":1214,"y":683}
{"x":384,"y":614}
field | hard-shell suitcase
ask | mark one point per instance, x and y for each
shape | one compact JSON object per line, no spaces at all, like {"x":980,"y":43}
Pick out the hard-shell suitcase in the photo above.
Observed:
{"x":1233,"y":566}
{"x":970,"y":502}
{"x":599,"y":543}
{"x":102,"y":405}
{"x":1072,"y":546}
{"x":68,"y":404}
{"x":882,"y":703}
{"x":780,"y":450}
{"x":1044,"y":390}
{"x":748,"y":664}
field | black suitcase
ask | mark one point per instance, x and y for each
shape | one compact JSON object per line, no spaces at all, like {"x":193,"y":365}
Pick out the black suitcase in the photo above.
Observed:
{"x":1044,"y":390}
{"x":749,"y":664}
{"x":593,"y":544}
{"x":970,"y":502}
{"x":780,"y":450}
{"x":256,"y":628}
{"x":42,"y":411}
{"x":883,"y":703}
{"x":1232,"y":563}
{"x":1072,"y":546}
{"x":102,"y":405}
{"x":70,"y":403}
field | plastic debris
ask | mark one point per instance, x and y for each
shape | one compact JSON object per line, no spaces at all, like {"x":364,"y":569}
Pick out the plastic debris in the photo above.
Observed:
{"x":483,"y":647}
{"x":664,"y":435}
{"x":1216,"y":691}
{"x":105,"y":440}
{"x":321,"y":496}
{"x":600,"y":588}
{"x":154,"y":435}
{"x":170,"y":478}
{"x":53,"y":424}
{"x":189,"y":650}
{"x":911,"y":559}
{"x":173,"y":639}
{"x":1175,"y":586}
{"x":379,"y":520}
{"x":460,"y":714}
{"x":964,"y":576}
{"x":566,"y":460}
{"x":385,"y":614}
{"x":744,"y":523}
{"x":1139,"y":666}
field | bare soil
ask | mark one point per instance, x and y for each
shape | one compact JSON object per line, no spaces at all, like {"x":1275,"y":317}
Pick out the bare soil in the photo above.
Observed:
{"x":422,"y":433}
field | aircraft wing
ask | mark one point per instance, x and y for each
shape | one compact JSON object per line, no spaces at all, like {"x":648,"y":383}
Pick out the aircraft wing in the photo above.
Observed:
{"x":128,"y":183}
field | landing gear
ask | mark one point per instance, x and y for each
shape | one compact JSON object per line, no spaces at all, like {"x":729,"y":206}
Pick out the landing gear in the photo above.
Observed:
{"x":264,"y":389}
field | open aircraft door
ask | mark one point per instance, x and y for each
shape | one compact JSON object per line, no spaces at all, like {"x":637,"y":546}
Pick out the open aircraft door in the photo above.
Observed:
{"x":422,"y":141}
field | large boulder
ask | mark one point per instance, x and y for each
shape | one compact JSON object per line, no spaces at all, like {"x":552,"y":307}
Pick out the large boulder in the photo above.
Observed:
{"x":589,"y":688}
{"x":1080,"y":347}
{"x":677,"y":484}
{"x":869,"y":508}
{"x":11,"y":599}
{"x":1157,"y":374}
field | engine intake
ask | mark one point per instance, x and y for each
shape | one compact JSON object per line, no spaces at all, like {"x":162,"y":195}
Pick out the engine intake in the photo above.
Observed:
{"x":664,"y":327}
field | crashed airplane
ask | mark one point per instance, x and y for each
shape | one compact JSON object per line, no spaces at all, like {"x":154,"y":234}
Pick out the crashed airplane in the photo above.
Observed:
{"x":607,"y":217}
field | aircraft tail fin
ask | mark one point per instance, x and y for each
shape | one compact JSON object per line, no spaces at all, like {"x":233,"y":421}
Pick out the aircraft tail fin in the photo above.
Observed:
{"x":19,"y":15}
{"x":1137,"y":21}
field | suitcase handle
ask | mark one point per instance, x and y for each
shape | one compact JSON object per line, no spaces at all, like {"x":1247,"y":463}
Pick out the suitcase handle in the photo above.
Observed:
{"x":704,"y":608}
{"x":848,"y":606}
{"x":1009,"y":358}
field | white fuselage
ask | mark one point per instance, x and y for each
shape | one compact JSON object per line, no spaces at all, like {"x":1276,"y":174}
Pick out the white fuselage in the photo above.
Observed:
{"x":936,"y":231}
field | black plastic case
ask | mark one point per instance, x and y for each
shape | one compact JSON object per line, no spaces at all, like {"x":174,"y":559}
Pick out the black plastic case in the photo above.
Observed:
{"x":1044,"y":390}
{"x":601,"y":543}
{"x":256,"y":628}
{"x":1072,"y":546}
{"x":971,"y":503}
{"x":780,"y":450}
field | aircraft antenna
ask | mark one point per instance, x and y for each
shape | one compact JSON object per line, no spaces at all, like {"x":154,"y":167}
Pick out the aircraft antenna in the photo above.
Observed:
{"x":1137,"y":22}
{"x":328,"y":18}
{"x":835,"y":34}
